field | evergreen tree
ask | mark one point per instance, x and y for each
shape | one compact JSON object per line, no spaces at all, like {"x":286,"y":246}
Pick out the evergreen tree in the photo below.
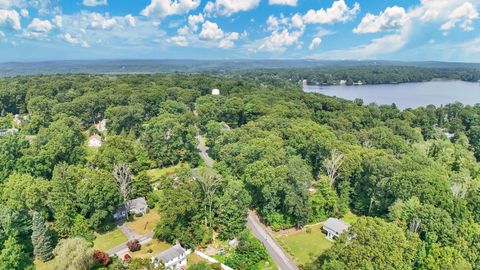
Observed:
{"x":41,"y":238}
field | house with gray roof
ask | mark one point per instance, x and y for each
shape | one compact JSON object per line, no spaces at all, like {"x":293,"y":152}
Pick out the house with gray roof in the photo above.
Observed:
{"x":174,"y":258}
{"x":334,"y":227}
{"x":135,"y":206}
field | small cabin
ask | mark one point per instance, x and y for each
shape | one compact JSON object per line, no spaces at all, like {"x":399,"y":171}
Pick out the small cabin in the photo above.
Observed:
{"x":215,"y":92}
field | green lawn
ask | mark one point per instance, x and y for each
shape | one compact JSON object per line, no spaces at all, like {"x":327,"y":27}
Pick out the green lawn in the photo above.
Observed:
{"x":39,"y":265}
{"x":145,"y":224}
{"x":150,"y":249}
{"x":158,"y":173}
{"x":109,"y":240}
{"x":305,"y":247}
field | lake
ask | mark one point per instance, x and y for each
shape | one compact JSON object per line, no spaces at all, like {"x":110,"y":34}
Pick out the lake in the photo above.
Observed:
{"x":406,"y":95}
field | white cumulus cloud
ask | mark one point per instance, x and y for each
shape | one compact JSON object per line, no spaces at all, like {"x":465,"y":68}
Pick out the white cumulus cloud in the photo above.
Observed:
{"x":94,"y":3}
{"x":229,"y":7}
{"x":283,"y":2}
{"x":130,"y":20}
{"x":278,"y":41}
{"x":163,"y":8}
{"x":315,"y":43}
{"x":194,"y":20}
{"x":210,"y":31}
{"x":98,"y":21}
{"x":75,"y":41}
{"x":338,"y":12}
{"x":40,"y":26}
{"x":24,"y":12}
{"x":463,"y":15}
{"x":392,"y":18}
{"x":229,"y":41}
{"x":10,"y":19}
{"x":181,"y":41}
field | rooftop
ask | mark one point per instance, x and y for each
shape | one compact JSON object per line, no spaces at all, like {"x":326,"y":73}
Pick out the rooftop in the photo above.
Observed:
{"x":336,"y":225}
{"x":171,"y":253}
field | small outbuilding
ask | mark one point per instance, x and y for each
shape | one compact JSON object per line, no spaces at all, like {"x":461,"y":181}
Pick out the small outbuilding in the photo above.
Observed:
{"x":95,"y":141}
{"x":215,"y":92}
{"x":174,"y":258}
{"x":334,"y":227}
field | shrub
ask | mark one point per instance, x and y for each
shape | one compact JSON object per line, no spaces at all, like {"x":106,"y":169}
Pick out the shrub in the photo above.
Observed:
{"x":134,"y":245}
{"x":101,"y":257}
{"x":309,"y":230}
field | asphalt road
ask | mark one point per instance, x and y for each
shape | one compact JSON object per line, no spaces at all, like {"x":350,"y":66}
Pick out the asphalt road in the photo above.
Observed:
{"x":281,"y":259}
{"x":276,"y":253}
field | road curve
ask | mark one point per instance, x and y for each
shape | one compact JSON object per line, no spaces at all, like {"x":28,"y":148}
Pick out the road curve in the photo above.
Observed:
{"x":276,"y":253}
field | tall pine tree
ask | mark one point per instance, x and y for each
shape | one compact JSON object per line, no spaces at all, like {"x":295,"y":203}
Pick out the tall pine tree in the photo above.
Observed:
{"x":42,"y":239}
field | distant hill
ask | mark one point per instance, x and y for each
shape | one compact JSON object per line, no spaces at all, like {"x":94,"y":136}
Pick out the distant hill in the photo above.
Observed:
{"x":192,"y":66}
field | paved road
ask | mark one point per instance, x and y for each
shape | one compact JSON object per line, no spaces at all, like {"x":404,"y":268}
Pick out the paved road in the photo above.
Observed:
{"x":120,"y":250}
{"x":279,"y":257}
{"x":204,"y":151}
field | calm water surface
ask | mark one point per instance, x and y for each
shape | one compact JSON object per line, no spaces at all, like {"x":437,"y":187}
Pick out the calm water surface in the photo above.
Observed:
{"x":406,"y":95}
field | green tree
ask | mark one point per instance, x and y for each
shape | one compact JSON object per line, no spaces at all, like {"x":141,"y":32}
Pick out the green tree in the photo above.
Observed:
{"x":233,"y":209}
{"x":42,"y":238}
{"x":73,"y":254}
{"x":371,"y":243}
{"x":14,"y":256}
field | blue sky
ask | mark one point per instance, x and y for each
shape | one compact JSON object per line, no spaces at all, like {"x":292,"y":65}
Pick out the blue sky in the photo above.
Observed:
{"x":415,"y":30}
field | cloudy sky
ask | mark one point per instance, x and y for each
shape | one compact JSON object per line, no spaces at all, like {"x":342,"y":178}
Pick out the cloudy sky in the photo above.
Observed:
{"x":413,"y":30}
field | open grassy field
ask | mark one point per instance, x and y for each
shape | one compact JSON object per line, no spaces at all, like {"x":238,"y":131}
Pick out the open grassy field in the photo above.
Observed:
{"x":109,"y":240}
{"x":145,"y":224}
{"x":305,"y":247}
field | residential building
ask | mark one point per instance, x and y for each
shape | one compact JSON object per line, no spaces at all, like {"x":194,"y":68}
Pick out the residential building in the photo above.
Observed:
{"x":215,"y":92}
{"x":135,"y":206}
{"x":174,"y":258}
{"x":95,"y":141}
{"x":334,"y":227}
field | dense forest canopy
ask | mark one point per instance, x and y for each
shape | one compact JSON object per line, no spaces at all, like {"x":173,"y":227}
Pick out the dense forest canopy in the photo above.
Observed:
{"x":412,"y":175}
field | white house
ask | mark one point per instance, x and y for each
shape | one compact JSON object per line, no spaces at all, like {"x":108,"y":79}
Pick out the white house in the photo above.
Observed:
{"x":215,"y":92}
{"x":136,"y":206}
{"x":334,"y":227}
{"x":174,"y":258}
{"x":95,"y":141}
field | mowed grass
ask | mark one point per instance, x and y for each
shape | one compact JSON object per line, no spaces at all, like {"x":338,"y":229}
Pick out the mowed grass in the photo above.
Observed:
{"x":158,"y":173}
{"x":145,"y":224}
{"x":39,"y":265}
{"x":305,"y":247}
{"x":150,"y":249}
{"x":108,"y":240}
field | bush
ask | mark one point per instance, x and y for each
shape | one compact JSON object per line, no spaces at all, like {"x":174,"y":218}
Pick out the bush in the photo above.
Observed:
{"x":101,"y":257}
{"x":309,"y":230}
{"x":138,"y":214}
{"x":134,"y":245}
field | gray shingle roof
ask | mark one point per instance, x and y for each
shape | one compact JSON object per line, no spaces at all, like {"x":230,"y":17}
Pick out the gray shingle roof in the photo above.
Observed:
{"x":138,"y":203}
{"x":336,"y":225}
{"x":171,"y":253}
